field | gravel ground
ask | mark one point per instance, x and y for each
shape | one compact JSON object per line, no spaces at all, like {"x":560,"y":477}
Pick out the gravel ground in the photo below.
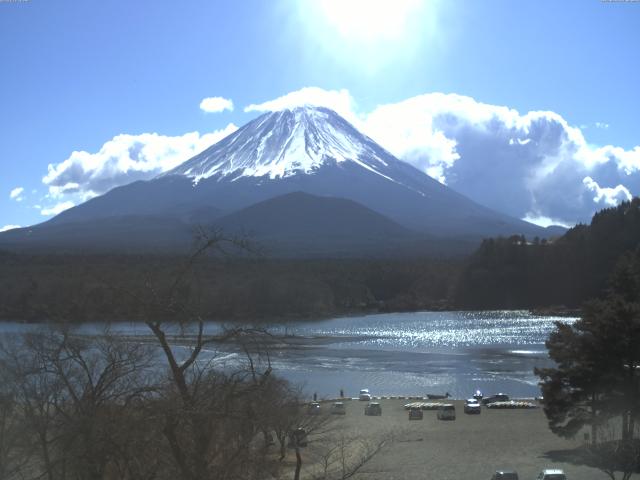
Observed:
{"x":470,"y":448}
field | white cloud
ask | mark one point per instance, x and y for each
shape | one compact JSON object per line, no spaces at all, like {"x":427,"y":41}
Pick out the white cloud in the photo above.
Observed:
{"x":9,"y":227}
{"x":57,"y":208}
{"x":546,"y":221}
{"x":216,"y":104}
{"x":121,"y":160}
{"x":532,"y":165}
{"x":602,"y":125}
{"x":607,"y":197}
{"x":340,"y":101}
{"x":16,"y":194}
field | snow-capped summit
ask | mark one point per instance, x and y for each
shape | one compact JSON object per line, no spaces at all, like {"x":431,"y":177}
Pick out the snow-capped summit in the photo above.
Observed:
{"x":285,"y":143}
{"x":304,"y":173}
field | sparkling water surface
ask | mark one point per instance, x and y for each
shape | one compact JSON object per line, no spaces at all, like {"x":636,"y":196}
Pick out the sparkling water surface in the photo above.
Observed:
{"x":400,"y":353}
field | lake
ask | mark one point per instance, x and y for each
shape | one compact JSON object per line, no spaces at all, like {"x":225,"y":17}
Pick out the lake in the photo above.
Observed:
{"x":404,"y":353}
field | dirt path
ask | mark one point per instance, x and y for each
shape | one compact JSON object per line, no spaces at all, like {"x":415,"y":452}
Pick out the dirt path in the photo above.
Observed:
{"x":470,"y":448}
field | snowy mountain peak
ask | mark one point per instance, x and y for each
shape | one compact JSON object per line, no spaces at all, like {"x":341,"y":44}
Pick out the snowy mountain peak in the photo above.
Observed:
{"x":285,"y":143}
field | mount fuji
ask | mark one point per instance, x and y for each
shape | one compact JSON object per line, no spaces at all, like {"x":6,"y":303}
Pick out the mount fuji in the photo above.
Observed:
{"x":299,"y":168}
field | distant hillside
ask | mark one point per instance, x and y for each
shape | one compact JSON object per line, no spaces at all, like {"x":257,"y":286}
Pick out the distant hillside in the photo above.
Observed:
{"x":302,"y":225}
{"x":293,"y":225}
{"x":512,"y":273}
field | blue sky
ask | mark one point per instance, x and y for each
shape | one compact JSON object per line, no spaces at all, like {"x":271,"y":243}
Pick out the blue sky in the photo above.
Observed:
{"x":77,"y":74}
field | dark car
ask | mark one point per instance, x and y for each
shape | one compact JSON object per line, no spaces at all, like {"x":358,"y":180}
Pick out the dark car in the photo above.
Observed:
{"x":373,"y":409}
{"x":505,"y":475}
{"x":498,"y":397}
{"x":415,"y":413}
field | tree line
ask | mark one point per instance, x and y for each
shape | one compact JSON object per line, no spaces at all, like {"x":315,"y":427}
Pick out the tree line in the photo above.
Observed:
{"x":516,"y":272}
{"x":88,"y":287}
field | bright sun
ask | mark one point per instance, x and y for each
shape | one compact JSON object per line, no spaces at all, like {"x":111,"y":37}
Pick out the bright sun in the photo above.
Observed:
{"x":370,"y":20}
{"x":369,"y":34}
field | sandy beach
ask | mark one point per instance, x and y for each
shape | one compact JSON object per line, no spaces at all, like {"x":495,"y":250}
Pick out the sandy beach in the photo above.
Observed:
{"x":470,"y":448}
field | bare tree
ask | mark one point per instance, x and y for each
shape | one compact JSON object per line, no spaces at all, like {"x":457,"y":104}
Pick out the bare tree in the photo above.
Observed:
{"x":614,"y":453}
{"x":343,"y":455}
{"x":210,"y":417}
{"x":73,"y":396}
{"x":102,"y":407}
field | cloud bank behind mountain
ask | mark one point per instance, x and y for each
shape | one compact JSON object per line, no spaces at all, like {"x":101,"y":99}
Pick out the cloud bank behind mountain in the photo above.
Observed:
{"x":531,"y":165}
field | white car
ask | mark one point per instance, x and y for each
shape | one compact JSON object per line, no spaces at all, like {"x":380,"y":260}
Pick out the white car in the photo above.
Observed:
{"x":471,"y":406}
{"x":552,"y":474}
{"x":365,"y":396}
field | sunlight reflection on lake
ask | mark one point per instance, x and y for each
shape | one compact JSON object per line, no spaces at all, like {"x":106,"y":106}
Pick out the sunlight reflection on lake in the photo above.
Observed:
{"x":402,"y":353}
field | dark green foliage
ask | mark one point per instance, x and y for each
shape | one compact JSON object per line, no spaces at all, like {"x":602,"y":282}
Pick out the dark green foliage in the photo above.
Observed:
{"x":512,"y":273}
{"x":597,"y":372}
{"x":89,"y":287}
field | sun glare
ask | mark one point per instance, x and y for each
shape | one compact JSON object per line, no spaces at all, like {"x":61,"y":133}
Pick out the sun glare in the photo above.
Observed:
{"x":368,"y":34}
{"x":369,"y":20}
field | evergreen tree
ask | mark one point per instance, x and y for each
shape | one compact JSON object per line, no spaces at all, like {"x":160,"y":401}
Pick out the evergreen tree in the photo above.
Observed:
{"x":597,"y":372}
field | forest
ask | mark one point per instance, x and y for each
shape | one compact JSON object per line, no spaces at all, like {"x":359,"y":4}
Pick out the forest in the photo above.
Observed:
{"x":100,"y":287}
{"x":517,"y":273}
{"x":503,"y":273}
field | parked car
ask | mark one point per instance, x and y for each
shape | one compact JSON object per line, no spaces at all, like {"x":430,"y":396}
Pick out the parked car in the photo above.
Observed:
{"x":365,"y":396}
{"x":314,"y":408}
{"x":447,"y":411}
{"x":498,"y":397}
{"x":337,"y":408}
{"x":551,"y":474}
{"x":415,"y":413}
{"x":299,"y":437}
{"x":478,"y":395}
{"x":471,"y":406}
{"x":373,"y":409}
{"x":505,"y":475}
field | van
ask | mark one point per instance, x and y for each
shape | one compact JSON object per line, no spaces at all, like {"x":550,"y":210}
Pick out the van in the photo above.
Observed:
{"x":447,"y":412}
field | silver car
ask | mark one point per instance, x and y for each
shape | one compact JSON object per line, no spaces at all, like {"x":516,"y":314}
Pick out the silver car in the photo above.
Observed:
{"x":472,"y":406}
{"x":365,"y":395}
{"x":551,"y":474}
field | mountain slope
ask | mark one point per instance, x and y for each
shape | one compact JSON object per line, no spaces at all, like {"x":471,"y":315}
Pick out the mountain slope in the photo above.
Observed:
{"x":291,"y":225}
{"x":299,"y":224}
{"x":307,"y":216}
{"x":307,"y":149}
